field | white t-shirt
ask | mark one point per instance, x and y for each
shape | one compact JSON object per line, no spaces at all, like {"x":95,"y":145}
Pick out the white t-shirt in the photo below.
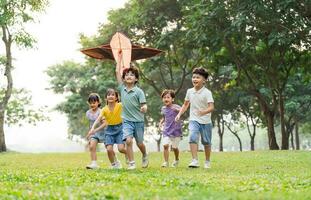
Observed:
{"x":199,"y":101}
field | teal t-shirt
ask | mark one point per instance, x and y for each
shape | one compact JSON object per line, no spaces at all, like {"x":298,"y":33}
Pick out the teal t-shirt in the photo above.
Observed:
{"x":131,"y":102}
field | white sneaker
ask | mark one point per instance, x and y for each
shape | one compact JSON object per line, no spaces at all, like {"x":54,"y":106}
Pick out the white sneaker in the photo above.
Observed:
{"x":131,"y":165}
{"x":194,"y":164}
{"x":145,"y":161}
{"x":165,"y":164}
{"x":207,"y":165}
{"x":175,"y":163}
{"x":116,"y":165}
{"x":92,"y":166}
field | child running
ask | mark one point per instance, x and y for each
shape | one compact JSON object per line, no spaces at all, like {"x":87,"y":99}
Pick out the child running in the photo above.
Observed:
{"x":172,"y":132}
{"x":97,"y":136}
{"x":134,"y":107}
{"x":200,"y":123}
{"x":111,"y":114}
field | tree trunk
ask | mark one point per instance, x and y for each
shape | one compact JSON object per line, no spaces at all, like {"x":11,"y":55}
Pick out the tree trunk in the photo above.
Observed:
{"x":292,"y":140}
{"x":273,"y":145}
{"x":236,"y":135}
{"x":285,"y":135}
{"x":239,"y":139}
{"x":297,"y":136}
{"x":2,"y":138}
{"x":252,"y":143}
{"x":7,"y":39}
{"x":220,"y":133}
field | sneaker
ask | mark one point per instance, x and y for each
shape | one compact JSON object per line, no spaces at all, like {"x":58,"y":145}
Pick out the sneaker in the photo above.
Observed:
{"x":207,"y":165}
{"x":116,"y":165}
{"x":194,"y":164}
{"x":131,"y":165}
{"x":92,"y":166}
{"x":175,"y":163}
{"x":145,"y":161}
{"x":165,"y":164}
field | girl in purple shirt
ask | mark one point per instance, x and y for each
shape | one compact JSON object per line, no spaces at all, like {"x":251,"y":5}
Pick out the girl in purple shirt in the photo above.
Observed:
{"x":172,"y":132}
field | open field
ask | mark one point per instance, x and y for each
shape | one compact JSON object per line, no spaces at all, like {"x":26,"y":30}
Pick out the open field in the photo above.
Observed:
{"x":247,"y":175}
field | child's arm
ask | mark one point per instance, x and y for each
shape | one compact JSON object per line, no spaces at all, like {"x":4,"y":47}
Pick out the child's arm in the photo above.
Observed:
{"x":182,"y":110}
{"x":176,"y":107}
{"x":93,"y":130}
{"x":210,"y":108}
{"x":118,"y":68}
{"x":161,"y":122}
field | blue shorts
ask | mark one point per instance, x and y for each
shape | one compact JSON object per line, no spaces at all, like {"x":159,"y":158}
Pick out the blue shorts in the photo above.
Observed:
{"x":196,"y":129}
{"x":99,"y":136}
{"x":133,"y":129}
{"x":114,"y":135}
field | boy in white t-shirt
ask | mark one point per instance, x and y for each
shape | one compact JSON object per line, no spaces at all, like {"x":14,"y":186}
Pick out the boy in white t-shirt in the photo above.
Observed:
{"x":201,"y":104}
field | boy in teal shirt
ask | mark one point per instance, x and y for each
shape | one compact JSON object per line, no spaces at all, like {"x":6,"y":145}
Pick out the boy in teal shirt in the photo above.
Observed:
{"x":134,"y":107}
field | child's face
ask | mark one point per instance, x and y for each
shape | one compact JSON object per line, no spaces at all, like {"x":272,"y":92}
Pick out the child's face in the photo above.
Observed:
{"x":111,"y":97}
{"x":93,"y":105}
{"x":198,"y":80}
{"x":167,"y":99}
{"x":130,"y":78}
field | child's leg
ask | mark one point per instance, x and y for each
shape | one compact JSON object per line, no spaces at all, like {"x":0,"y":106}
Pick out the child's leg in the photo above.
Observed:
{"x":206,"y":138}
{"x":176,"y":153}
{"x":175,"y":143}
{"x":194,"y":129}
{"x":121,"y":148}
{"x":207,"y":149}
{"x":110,"y":153}
{"x":166,"y":152}
{"x":142,"y":148}
{"x":128,"y":130}
{"x":93,"y":144}
{"x":194,"y":150}
{"x":129,"y":148}
{"x":139,"y":137}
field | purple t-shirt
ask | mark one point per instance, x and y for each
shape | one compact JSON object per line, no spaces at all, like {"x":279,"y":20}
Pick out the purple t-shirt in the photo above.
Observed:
{"x":92,"y":116}
{"x":171,"y":127}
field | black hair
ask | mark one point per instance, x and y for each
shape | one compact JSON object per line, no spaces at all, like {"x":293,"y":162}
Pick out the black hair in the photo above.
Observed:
{"x":201,"y":71}
{"x":168,"y":91}
{"x":93,"y":97}
{"x":134,"y":70}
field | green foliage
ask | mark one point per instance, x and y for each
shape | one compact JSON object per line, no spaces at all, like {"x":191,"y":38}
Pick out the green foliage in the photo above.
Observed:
{"x":20,"y":109}
{"x":14,"y":14}
{"x":247,"y":175}
{"x":78,"y":81}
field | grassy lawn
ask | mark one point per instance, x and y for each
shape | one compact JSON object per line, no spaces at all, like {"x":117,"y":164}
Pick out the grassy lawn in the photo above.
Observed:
{"x":247,"y":175}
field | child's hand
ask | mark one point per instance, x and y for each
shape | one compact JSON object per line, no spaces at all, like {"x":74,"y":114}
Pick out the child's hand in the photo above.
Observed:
{"x":177,"y":118}
{"x":200,"y":113}
{"x":143,"y":108}
{"x":91,"y":132}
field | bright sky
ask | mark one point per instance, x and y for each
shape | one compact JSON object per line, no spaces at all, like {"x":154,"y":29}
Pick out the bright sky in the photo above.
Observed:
{"x":57,"y":34}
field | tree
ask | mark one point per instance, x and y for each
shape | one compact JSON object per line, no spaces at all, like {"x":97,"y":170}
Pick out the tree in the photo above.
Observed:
{"x":14,"y":14}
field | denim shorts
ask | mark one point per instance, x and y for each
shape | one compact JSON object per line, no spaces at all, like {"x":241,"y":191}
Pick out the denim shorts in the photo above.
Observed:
{"x":99,"y":136}
{"x":196,"y":129}
{"x":114,"y":135}
{"x":133,"y":129}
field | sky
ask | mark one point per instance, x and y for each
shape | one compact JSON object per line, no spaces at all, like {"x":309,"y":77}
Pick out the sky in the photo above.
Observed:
{"x":57,"y":35}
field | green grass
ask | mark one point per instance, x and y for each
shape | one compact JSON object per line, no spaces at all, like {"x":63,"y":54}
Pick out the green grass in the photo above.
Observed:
{"x":247,"y":175}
